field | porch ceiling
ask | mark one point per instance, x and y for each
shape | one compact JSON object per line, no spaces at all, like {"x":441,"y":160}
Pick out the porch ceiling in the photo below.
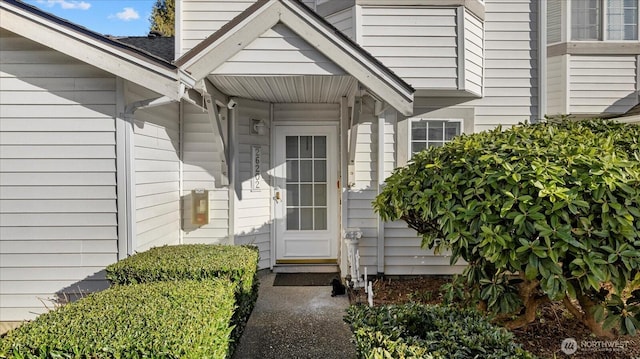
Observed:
{"x":287,"y":89}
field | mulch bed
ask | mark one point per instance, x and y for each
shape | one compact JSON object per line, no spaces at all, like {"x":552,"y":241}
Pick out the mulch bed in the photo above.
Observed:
{"x":542,"y":337}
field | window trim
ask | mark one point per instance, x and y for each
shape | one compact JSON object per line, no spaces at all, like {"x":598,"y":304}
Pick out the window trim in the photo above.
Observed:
{"x":411,"y":120}
{"x":602,"y":22}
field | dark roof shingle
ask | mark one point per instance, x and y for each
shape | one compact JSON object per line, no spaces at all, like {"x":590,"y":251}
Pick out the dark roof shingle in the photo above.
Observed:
{"x":160,"y":46}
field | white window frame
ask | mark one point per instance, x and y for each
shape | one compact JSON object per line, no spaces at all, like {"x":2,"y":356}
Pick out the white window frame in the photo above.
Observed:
{"x":602,"y":35}
{"x":419,"y":119}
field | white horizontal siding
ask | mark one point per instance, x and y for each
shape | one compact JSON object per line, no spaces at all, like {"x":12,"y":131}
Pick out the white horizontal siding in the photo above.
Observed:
{"x":278,"y":52}
{"x":157,"y":178}
{"x":58,"y":225}
{"x":418,"y":43}
{"x":253,"y":209}
{"x":473,"y":53}
{"x":509,"y":96}
{"x":602,"y":84}
{"x":201,"y":165}
{"x":511,"y":51}
{"x":360,"y":195}
{"x":554,"y":21}
{"x":201,"y":18}
{"x":556,"y":85}
{"x":343,"y":21}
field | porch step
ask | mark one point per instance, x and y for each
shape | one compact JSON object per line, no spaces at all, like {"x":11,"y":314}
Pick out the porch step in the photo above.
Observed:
{"x":306,"y":268}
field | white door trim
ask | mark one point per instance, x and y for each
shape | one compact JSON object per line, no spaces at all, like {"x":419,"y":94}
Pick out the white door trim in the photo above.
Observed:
{"x":331,"y":234}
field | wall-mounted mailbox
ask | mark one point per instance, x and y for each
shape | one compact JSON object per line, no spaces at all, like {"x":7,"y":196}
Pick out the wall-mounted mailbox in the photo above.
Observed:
{"x":199,"y":207}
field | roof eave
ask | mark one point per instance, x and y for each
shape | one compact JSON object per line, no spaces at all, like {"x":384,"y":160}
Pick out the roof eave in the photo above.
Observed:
{"x":92,"y":48}
{"x":250,"y":24}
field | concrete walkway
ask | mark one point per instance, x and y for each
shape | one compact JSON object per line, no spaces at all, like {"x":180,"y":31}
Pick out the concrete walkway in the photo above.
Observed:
{"x":296,"y":322}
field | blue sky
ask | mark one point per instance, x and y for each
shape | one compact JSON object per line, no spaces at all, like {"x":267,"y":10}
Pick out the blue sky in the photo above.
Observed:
{"x":108,"y":17}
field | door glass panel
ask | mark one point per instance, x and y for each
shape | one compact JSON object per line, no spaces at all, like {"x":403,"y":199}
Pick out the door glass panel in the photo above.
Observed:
{"x":306,"y":195}
{"x":292,"y":218}
{"x":292,"y":170}
{"x":306,"y":219}
{"x":306,"y":147}
{"x":320,"y":195}
{"x":320,"y":170}
{"x":292,"y":147}
{"x":306,"y":182}
{"x":293,"y":194}
{"x":305,"y":171}
{"x":320,"y":218}
{"x":320,"y":147}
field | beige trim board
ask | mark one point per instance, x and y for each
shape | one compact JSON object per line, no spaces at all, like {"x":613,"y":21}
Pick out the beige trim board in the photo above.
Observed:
{"x":594,"y":48}
{"x":476,"y":7}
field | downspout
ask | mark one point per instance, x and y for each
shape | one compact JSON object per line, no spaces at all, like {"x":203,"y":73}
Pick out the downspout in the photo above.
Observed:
{"x":381,"y":250}
{"x":129,"y":161}
{"x":232,"y":168}
{"x":542,"y":59}
{"x":181,"y":169}
{"x":122,"y":197}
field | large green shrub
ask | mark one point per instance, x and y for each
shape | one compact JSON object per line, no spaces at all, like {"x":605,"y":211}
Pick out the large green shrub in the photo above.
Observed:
{"x":186,"y":319}
{"x":549,"y":211}
{"x":200,"y":262}
{"x":428,"y":332}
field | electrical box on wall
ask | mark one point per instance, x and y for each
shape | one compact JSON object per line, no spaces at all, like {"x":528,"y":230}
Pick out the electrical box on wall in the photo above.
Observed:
{"x":199,"y":207}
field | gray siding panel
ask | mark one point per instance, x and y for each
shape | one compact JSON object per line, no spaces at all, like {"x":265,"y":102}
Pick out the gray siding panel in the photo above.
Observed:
{"x":343,"y":21}
{"x":253,"y":209}
{"x":556,"y":85}
{"x":57,"y":177}
{"x":602,"y":84}
{"x":201,"y":18}
{"x":157,"y":178}
{"x":509,"y":97}
{"x":278,"y":52}
{"x":417,"y":43}
{"x":473,"y":53}
{"x":201,"y":165}
{"x":554,"y":21}
{"x":510,"y":87}
{"x":360,"y":212}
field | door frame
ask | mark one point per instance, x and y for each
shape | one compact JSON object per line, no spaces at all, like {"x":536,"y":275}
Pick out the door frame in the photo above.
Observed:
{"x":335,"y":201}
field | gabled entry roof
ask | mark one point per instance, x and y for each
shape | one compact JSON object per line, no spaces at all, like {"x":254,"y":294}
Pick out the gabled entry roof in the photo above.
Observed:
{"x":263,"y":15}
{"x":95,"y":49}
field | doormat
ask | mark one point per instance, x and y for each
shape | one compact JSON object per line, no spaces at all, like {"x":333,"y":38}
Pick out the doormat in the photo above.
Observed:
{"x":304,"y":279}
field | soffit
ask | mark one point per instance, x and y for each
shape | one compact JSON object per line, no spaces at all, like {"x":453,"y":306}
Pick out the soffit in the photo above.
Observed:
{"x":287,"y":89}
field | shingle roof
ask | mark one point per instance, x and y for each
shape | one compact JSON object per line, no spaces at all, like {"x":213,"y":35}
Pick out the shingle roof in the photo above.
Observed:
{"x":108,"y":40}
{"x":160,"y":46}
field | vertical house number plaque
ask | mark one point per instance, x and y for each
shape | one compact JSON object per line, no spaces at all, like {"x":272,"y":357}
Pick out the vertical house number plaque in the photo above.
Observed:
{"x":257,"y":183}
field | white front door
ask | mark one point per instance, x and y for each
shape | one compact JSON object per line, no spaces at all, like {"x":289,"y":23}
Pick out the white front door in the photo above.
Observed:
{"x":306,"y":194}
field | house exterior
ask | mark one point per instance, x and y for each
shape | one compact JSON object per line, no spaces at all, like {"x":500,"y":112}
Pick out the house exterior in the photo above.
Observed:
{"x":593,"y":56}
{"x":275,"y":124}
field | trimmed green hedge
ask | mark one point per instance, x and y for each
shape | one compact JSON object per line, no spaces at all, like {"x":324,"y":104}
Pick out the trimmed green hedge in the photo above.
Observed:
{"x":186,"y":319}
{"x":196,"y":261}
{"x":429,"y":332}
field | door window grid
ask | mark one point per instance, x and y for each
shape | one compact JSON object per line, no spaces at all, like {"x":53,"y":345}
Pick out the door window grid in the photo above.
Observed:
{"x":432,"y":133}
{"x":306,"y":182}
